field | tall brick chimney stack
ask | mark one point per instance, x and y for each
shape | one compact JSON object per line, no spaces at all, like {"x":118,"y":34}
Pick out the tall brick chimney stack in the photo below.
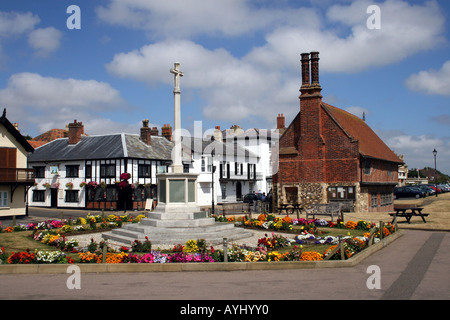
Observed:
{"x":281,"y":123}
{"x":76,"y":130}
{"x":312,"y":143}
{"x":146,"y":135}
{"x":166,"y":131}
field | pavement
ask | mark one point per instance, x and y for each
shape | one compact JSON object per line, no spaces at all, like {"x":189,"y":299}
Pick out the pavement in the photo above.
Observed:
{"x":413,"y":267}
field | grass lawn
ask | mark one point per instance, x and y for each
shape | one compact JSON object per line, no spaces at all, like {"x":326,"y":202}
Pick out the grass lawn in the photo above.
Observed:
{"x":20,"y":241}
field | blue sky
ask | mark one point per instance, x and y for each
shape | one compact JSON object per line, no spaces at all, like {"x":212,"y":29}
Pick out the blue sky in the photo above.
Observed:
{"x":241,"y":65}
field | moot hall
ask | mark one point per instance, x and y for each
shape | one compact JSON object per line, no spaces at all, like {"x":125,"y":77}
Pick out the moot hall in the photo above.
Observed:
{"x":327,"y":154}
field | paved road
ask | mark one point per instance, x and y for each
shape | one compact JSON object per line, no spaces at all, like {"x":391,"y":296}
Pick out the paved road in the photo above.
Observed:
{"x":416,"y":266}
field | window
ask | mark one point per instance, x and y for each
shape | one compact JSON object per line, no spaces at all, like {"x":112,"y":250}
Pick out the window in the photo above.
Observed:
{"x":341,"y":193}
{"x":223,"y":187}
{"x":111,"y":193}
{"x":386,"y":199}
{"x":238,"y":169}
{"x":39,"y":172}
{"x":71,"y":195}
{"x":72,"y":171}
{"x":374,"y":200}
{"x":206,"y":164}
{"x":107,"y":171}
{"x":38,"y":195}
{"x":367,"y":165}
{"x":145,"y":171}
{"x":251,"y":171}
{"x":88,"y":171}
{"x":3,"y":198}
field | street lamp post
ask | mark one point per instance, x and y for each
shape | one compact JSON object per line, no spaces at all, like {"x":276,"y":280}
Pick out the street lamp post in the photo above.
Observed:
{"x":213,"y":169}
{"x":435,"y":171}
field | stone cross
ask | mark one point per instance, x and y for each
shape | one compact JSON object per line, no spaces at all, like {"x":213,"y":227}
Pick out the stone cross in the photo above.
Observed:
{"x":177,"y":74}
{"x":177,"y":164}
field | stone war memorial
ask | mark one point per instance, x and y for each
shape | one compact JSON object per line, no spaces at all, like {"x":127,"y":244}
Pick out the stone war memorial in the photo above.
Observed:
{"x":177,"y":217}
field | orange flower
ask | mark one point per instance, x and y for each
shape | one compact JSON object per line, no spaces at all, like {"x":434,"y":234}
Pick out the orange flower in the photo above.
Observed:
{"x":287,"y":219}
{"x":351,"y":225}
{"x":262,"y":217}
{"x":310,"y":256}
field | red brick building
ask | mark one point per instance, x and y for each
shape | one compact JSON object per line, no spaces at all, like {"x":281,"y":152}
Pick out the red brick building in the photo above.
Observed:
{"x":327,"y":154}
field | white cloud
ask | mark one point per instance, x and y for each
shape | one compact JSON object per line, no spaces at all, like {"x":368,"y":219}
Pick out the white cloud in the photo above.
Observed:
{"x":417,"y":149}
{"x":224,"y":82}
{"x":54,"y":101}
{"x":186,"y":18}
{"x":17,"y":23}
{"x":14,"y":24}
{"x":431,"y":81}
{"x":349,"y":46}
{"x":44,"y":40}
{"x":267,"y":77}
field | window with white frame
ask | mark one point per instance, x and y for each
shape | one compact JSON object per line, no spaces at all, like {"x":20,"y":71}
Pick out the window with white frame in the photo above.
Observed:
{"x":3,"y":198}
{"x":206,"y":164}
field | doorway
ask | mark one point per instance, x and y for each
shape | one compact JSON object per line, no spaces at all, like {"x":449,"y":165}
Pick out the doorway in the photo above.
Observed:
{"x":53,"y":197}
{"x":238,"y":191}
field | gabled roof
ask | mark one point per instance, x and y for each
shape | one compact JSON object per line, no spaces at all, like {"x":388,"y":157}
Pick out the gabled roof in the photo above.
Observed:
{"x":111,"y":146}
{"x":50,"y":135}
{"x":370,"y":145}
{"x":15,"y":133}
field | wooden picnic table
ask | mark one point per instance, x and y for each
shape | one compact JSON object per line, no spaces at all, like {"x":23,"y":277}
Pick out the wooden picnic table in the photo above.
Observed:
{"x":408,"y":213}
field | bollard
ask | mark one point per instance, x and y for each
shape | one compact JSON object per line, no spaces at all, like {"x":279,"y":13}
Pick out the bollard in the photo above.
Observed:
{"x":381,"y":230}
{"x":341,"y":248}
{"x":14,"y":221}
{"x":225,"y":250}
{"x":104,"y":251}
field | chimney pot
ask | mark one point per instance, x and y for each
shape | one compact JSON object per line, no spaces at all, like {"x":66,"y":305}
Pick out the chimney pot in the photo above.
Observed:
{"x":305,"y":70}
{"x":315,"y":68}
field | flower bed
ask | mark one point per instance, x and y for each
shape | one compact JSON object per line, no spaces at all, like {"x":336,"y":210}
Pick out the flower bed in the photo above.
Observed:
{"x":269,"y":248}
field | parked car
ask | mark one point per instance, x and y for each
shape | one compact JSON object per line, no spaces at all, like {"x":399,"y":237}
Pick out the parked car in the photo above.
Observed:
{"x":428,"y":191}
{"x":433,"y":186}
{"x":250,"y":197}
{"x":407,"y":192}
{"x":443,"y":187}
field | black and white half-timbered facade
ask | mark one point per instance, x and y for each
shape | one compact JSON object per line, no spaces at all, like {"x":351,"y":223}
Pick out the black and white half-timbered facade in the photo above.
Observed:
{"x":112,"y":172}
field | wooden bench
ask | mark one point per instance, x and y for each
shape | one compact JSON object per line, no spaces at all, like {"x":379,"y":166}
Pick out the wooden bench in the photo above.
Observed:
{"x":234,"y":208}
{"x":332,"y":209}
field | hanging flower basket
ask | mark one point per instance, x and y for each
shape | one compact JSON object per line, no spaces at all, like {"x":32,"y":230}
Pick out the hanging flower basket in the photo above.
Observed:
{"x":69,"y":185}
